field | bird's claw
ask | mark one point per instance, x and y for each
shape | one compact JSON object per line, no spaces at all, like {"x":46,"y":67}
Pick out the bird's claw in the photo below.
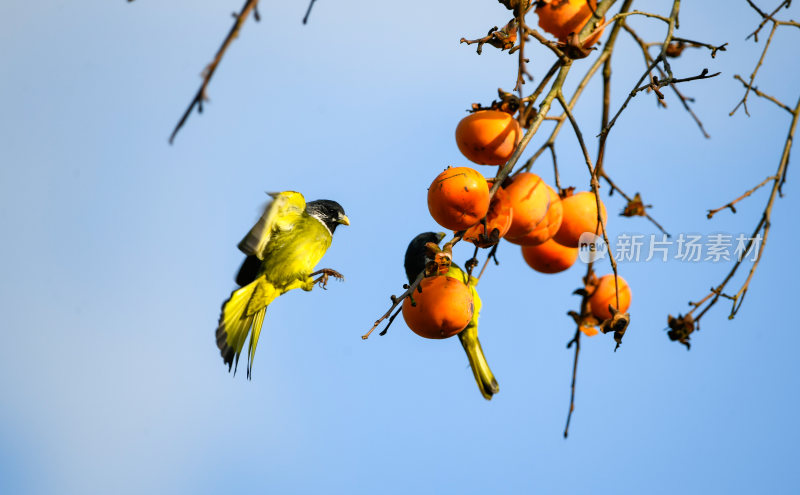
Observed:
{"x":324,"y":275}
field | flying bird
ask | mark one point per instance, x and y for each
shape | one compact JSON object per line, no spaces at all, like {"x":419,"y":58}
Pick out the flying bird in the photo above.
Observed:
{"x":282,"y":249}
{"x":415,"y":261}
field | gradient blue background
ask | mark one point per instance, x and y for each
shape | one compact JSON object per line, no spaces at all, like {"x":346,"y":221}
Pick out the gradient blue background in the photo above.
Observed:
{"x":119,"y":249}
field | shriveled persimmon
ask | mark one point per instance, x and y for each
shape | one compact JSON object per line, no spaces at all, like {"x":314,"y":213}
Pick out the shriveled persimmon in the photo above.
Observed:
{"x":549,"y":256}
{"x":605,"y":294}
{"x":441,"y":310}
{"x":488,"y":232}
{"x":488,"y":137}
{"x":458,"y":198}
{"x":545,"y":229}
{"x":579,"y":216}
{"x":528,"y":196}
{"x":562,"y":17}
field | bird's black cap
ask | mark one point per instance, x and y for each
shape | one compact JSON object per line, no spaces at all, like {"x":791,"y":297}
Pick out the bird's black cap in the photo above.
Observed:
{"x":328,"y":212}
{"x":415,"y":253}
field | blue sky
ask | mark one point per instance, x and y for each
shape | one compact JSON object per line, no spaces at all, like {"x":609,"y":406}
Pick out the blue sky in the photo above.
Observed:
{"x":119,"y":249}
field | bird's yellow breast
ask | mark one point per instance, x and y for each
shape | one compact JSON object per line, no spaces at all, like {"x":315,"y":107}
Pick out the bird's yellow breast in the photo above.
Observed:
{"x":292,"y":254}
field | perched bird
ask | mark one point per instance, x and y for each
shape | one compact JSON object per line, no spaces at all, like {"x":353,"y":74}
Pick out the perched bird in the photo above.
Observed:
{"x":282,"y":249}
{"x":415,"y":262}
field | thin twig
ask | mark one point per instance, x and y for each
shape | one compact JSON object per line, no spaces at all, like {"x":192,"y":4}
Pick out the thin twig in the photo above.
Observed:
{"x":200,"y":96}
{"x":684,"y":100}
{"x":615,"y":187}
{"x":699,"y":44}
{"x":765,"y":17}
{"x":522,"y":70}
{"x":396,"y":301}
{"x":743,"y":101}
{"x":763,"y":227}
{"x":576,"y":340}
{"x":731,"y":204}
{"x":492,"y":255}
{"x":601,"y":225}
{"x":762,"y":94}
{"x":308,"y":11}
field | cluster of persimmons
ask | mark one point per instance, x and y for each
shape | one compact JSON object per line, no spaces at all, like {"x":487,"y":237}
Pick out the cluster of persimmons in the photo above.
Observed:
{"x":524,"y":211}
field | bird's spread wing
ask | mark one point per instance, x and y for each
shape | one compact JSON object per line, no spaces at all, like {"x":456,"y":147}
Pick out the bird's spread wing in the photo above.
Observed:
{"x":280,"y":214}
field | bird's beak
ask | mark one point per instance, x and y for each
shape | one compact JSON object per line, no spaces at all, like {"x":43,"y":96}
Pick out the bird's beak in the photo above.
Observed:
{"x":441,"y":236}
{"x":273,"y":195}
{"x":344,"y":220}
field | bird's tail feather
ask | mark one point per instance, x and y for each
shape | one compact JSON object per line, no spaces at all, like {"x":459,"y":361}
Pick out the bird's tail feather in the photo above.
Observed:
{"x":243,"y":311}
{"x":258,"y":320}
{"x":480,"y":368}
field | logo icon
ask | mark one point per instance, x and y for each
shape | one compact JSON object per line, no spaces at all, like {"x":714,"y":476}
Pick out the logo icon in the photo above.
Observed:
{"x":591,"y":247}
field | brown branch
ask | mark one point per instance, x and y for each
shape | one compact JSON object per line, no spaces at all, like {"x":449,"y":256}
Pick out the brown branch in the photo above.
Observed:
{"x":623,"y":15}
{"x":583,"y":309}
{"x":595,"y":189}
{"x":661,"y":58}
{"x":765,"y":17}
{"x":762,"y":94}
{"x":657,"y":83}
{"x":578,"y":133}
{"x":763,"y":227}
{"x":577,"y":341}
{"x":308,"y":11}
{"x":615,"y":187}
{"x":743,"y":101}
{"x":492,"y":255}
{"x":200,"y":96}
{"x":731,"y":204}
{"x":555,"y":169}
{"x":601,"y":59}
{"x":498,"y":38}
{"x":546,"y":42}
{"x":522,"y":70}
{"x":396,"y":301}
{"x":578,"y":91}
{"x":606,"y":106}
{"x":654,"y":85}
{"x":683,"y":99}
{"x":699,"y":44}
{"x":534,"y":126}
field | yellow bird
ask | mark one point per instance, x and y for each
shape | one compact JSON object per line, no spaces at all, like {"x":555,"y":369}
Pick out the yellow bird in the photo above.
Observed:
{"x":415,"y":261}
{"x":282,"y":249}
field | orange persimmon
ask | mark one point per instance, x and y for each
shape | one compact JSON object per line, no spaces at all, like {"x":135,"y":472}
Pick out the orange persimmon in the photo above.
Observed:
{"x":528,"y":196}
{"x":549,"y":256}
{"x":488,"y":137}
{"x":545,"y":229}
{"x":498,"y":221}
{"x":605,"y":294}
{"x":580,"y":215}
{"x":562,"y":17}
{"x":441,"y":310}
{"x":458,"y":198}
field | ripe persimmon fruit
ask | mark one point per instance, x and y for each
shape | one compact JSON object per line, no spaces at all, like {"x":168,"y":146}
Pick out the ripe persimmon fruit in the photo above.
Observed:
{"x":527,"y":193}
{"x":488,"y":232}
{"x":562,"y":17}
{"x":441,"y":310}
{"x":488,"y":137}
{"x":549,"y":256}
{"x":580,"y":215}
{"x":545,"y":229}
{"x":458,"y":198}
{"x":605,"y":294}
